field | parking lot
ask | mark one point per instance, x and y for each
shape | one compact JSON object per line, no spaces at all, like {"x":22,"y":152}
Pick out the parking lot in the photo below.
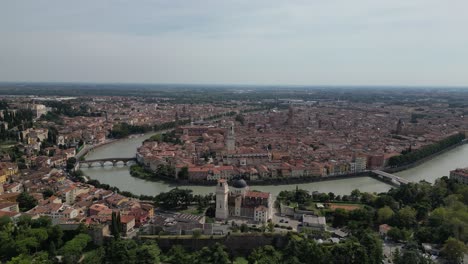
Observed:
{"x":285,"y":221}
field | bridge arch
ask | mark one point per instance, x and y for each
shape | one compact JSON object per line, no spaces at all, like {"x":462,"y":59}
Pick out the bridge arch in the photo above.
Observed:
{"x":107,"y":162}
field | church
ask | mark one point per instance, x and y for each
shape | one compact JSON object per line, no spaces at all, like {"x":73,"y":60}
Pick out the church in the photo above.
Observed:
{"x":239,"y":201}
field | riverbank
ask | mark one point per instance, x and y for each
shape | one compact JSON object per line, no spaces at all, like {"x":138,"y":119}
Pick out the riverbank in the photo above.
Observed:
{"x":147,"y":175}
{"x":139,"y":171}
{"x":120,"y":177}
{"x":423,"y":160}
{"x":86,"y":149}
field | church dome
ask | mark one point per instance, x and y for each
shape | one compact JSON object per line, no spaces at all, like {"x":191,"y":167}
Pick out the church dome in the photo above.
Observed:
{"x":239,"y":183}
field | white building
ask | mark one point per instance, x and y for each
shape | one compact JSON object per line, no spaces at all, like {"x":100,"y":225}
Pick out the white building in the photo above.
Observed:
{"x":312,"y":222}
{"x":238,"y":201}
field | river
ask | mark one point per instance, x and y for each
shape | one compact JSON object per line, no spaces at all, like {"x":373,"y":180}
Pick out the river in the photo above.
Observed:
{"x":120,"y":176}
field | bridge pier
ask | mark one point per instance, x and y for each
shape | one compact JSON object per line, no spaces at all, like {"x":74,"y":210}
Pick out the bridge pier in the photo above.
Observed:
{"x":102,"y":162}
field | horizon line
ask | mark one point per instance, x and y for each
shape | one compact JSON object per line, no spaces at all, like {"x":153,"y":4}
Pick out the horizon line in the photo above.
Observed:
{"x":236,"y":85}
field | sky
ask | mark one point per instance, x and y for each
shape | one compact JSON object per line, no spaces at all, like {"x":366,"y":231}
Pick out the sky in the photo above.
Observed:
{"x":310,"y":42}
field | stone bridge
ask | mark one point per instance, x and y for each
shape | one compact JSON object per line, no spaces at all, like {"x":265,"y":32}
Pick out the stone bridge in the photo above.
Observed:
{"x":389,"y":178}
{"x":106,"y":162}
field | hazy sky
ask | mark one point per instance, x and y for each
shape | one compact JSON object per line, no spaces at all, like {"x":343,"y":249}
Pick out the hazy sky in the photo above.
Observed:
{"x":311,"y":42}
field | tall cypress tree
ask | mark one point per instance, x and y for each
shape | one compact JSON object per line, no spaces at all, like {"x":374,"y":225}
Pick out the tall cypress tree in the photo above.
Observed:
{"x":115,"y":230}
{"x":119,"y":223}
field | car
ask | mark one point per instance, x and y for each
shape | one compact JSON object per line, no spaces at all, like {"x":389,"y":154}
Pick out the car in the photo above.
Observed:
{"x":281,"y":221}
{"x":286,"y":222}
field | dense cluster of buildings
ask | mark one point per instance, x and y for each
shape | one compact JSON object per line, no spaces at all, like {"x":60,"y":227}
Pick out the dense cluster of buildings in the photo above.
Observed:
{"x":304,"y":141}
{"x":69,"y":203}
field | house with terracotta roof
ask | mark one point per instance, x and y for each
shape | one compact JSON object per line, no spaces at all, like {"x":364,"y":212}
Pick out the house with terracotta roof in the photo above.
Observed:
{"x":6,"y":206}
{"x":128,"y":223}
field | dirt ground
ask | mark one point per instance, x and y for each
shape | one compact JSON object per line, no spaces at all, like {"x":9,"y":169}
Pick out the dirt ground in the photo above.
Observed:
{"x":347,"y":207}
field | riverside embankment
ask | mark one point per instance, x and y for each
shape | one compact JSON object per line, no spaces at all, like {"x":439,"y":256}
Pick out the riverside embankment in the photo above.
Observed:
{"x":433,"y":168}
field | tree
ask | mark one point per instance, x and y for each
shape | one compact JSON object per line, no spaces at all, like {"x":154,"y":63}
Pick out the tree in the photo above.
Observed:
{"x":26,"y":202}
{"x":175,"y":198}
{"x":454,"y":250}
{"x":386,"y":200}
{"x":178,"y":255}
{"x":384,"y":214}
{"x":367,"y":198}
{"x":304,"y":251}
{"x":373,"y":245}
{"x":38,"y":258}
{"x":94,"y":257}
{"x":340,"y":217}
{"x":240,"y":119}
{"x":115,"y":225}
{"x":196,"y":233}
{"x":47,"y":193}
{"x":397,"y":234}
{"x":361,"y":218}
{"x":71,"y":163}
{"x":265,"y":255}
{"x":350,"y":252}
{"x":271,"y":227}
{"x":148,"y":253}
{"x":405,"y":217}
{"x":52,"y":249}
{"x":121,"y":251}
{"x":355,"y":195}
{"x":244,"y":228}
{"x":410,"y":256}
{"x":183,"y":173}
{"x":323,"y":197}
{"x":4,"y":222}
{"x":73,"y":249}
{"x":214,"y":254}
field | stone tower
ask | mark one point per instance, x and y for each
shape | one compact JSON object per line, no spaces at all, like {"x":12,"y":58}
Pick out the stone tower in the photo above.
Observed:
{"x":222,"y":191}
{"x":231,"y":138}
{"x":399,"y":128}
{"x":290,"y":120}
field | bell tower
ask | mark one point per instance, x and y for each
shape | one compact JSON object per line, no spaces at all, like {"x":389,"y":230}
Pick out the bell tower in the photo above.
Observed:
{"x":222,"y":191}
{"x":231,"y":138}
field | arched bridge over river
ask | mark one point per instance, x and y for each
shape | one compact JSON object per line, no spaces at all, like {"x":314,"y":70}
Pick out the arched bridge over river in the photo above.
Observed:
{"x":106,"y":162}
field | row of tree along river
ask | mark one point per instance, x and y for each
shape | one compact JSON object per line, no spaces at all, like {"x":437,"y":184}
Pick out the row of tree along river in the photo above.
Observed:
{"x":120,"y":176}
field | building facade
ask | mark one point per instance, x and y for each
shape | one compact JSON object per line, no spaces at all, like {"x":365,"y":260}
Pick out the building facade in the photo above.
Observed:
{"x":239,"y":201}
{"x":460,"y":175}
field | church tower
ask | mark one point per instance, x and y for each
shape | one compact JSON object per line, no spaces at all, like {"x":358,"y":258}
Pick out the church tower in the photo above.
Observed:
{"x":231,"y":138}
{"x":222,"y":191}
{"x":290,"y":120}
{"x":399,"y":128}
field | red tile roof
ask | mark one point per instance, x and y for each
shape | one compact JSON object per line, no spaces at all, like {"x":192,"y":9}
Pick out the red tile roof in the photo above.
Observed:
{"x":263,"y":195}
